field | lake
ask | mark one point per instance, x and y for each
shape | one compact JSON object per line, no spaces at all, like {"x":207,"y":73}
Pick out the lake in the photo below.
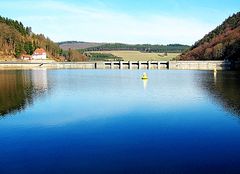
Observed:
{"x":110,"y":121}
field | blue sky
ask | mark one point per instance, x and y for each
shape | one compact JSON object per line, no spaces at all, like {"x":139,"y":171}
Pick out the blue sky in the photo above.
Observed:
{"x":127,"y":21}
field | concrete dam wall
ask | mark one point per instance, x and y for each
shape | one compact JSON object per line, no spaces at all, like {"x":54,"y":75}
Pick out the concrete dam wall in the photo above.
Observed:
{"x":174,"y":65}
{"x":200,"y":65}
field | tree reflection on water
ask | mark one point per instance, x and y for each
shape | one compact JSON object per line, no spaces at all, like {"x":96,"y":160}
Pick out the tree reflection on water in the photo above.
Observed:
{"x":19,"y":88}
{"x":224,"y":87}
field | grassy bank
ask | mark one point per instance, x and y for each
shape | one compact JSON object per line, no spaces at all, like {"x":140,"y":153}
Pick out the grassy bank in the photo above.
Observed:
{"x":140,"y":56}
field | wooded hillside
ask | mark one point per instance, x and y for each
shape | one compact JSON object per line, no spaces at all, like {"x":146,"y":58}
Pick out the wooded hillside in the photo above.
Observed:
{"x":88,"y":46}
{"x":221,"y":43}
{"x":15,"y":39}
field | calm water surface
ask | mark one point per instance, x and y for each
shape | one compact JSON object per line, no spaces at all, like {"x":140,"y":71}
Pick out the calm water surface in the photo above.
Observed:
{"x":91,"y":121}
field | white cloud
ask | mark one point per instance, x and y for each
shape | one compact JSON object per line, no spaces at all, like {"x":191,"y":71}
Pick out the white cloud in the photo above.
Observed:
{"x":65,"y":21}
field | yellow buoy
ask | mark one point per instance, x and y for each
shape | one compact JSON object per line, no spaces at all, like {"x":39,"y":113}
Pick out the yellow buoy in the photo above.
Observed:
{"x":144,"y":77}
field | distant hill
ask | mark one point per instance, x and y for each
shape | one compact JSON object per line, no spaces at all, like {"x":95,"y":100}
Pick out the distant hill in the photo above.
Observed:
{"x":172,"y":48}
{"x":88,"y":46}
{"x":16,"y":39}
{"x":221,"y":43}
{"x":75,"y":45}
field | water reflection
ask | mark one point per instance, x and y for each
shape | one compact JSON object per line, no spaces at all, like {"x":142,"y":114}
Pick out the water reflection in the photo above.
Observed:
{"x":19,"y":88}
{"x":40,"y":79}
{"x":224,"y":87}
{"x":215,"y":76}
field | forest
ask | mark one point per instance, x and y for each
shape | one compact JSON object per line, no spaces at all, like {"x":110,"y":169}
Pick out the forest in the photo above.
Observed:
{"x":223,"y":43}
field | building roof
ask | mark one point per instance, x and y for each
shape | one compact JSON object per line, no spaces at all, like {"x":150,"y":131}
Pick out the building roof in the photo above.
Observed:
{"x":39,"y":51}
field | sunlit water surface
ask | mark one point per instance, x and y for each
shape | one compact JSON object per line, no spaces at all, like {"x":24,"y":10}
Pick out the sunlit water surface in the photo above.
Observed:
{"x":96,"y":121}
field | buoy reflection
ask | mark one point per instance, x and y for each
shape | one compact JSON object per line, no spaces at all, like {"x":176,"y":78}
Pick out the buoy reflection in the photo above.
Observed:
{"x":145,"y":83}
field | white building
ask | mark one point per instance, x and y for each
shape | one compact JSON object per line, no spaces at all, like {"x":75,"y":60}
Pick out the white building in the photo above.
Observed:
{"x":39,"y":54}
